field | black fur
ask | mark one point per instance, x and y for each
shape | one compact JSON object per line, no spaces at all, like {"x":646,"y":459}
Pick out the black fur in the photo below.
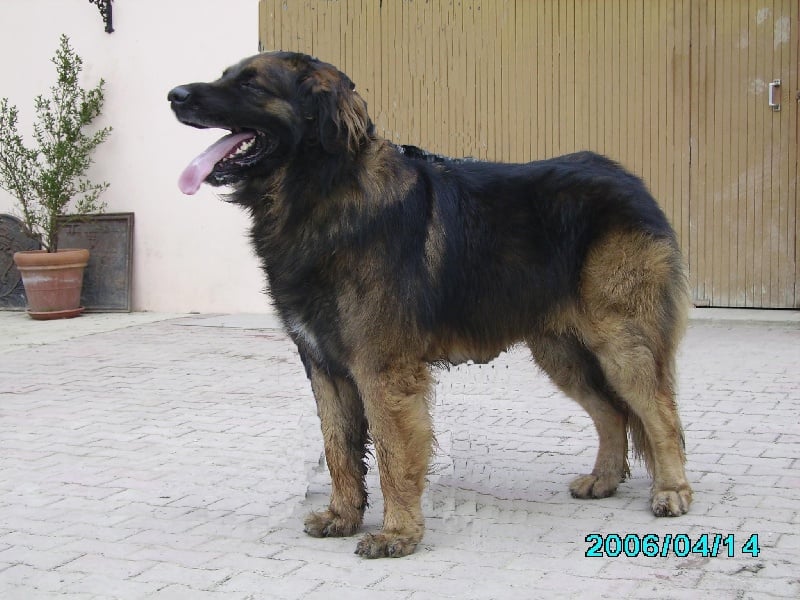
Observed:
{"x":312,"y":199}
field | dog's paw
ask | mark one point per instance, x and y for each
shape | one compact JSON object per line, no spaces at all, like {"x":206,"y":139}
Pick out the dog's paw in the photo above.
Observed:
{"x":672,"y":503}
{"x":326,"y":523}
{"x":383,"y":545}
{"x":594,"y":486}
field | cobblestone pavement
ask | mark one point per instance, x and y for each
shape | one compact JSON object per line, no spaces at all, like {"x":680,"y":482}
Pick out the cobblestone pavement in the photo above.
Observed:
{"x":176,"y":458}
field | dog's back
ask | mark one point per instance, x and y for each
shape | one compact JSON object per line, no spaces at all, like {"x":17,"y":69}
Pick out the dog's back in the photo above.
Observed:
{"x":512,"y":240}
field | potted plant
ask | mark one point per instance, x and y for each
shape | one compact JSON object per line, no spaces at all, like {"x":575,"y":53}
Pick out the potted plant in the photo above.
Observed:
{"x":49,"y":182}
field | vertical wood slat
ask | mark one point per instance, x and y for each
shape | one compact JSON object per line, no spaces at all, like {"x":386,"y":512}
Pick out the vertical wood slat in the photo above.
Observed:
{"x":701,"y":85}
{"x":725,"y":192}
{"x":713,"y":131}
{"x":793,"y":175}
{"x":683,"y":143}
{"x":754,"y":125}
{"x":668,"y":88}
{"x":740,"y":113}
{"x":787,"y":147}
{"x":771,"y":225}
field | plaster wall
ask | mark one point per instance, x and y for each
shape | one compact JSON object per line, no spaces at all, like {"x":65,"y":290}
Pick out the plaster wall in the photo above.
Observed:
{"x":190,"y":253}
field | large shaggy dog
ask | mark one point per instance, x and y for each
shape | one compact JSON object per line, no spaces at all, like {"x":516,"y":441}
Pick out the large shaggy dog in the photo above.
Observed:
{"x":383,"y":260}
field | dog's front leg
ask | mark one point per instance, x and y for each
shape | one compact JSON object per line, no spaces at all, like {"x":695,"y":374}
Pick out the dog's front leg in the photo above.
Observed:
{"x":344,"y":431}
{"x":396,"y":403}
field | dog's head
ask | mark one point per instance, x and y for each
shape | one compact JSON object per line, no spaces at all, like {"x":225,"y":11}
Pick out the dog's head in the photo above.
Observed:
{"x":275,"y":105}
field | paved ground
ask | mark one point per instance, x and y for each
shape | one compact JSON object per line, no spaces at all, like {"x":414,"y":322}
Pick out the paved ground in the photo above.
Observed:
{"x":151,"y":457}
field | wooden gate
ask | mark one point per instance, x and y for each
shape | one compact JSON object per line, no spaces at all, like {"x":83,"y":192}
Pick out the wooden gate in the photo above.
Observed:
{"x":744,"y":165}
{"x":676,"y":90}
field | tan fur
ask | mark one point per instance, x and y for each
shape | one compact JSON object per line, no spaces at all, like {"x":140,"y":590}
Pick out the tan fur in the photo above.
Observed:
{"x":349,"y":111}
{"x":344,"y":431}
{"x":400,"y":424}
{"x":628,"y":280}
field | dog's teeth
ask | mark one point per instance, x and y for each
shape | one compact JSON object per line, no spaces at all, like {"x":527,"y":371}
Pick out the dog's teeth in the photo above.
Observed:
{"x":245,"y":147}
{"x":240,"y":150}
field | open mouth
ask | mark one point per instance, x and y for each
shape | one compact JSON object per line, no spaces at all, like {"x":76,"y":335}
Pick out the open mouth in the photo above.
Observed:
{"x":227,"y":160}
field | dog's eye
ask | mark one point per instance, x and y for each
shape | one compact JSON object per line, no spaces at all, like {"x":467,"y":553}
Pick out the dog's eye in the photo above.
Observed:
{"x":251,"y":86}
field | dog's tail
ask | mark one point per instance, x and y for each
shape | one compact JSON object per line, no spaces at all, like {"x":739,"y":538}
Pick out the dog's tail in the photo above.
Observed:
{"x":666,"y":392}
{"x":642,"y":449}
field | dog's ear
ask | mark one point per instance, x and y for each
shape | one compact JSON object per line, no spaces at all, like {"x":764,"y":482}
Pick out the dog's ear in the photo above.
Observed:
{"x":341,"y":122}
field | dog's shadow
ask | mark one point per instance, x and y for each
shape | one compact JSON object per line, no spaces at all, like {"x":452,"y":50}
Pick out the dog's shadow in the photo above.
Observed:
{"x":498,"y":497}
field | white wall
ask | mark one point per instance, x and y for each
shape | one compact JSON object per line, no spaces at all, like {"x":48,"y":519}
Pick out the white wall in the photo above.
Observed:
{"x":190,"y":253}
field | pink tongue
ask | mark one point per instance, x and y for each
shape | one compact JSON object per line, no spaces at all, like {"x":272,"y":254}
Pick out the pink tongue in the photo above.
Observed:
{"x":193,"y":176}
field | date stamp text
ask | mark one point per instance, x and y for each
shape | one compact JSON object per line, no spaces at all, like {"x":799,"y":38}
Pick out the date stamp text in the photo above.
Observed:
{"x":651,"y":545}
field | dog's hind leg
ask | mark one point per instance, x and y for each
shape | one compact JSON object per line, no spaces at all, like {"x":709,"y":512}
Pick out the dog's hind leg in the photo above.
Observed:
{"x":631,"y":365}
{"x":573,"y":368}
{"x":635,"y":301}
{"x":396,"y":403}
{"x":344,"y":431}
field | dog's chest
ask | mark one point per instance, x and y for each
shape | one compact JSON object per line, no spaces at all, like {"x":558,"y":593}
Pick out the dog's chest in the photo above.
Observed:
{"x":304,"y":336}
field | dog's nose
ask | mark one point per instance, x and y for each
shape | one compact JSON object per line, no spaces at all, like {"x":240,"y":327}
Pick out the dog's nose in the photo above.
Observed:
{"x":179,"y":94}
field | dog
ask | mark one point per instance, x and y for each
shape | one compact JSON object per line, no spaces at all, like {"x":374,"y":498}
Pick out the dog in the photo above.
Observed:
{"x":386,"y":261}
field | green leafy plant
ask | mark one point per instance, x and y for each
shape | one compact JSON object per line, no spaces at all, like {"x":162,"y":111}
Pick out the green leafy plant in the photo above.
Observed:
{"x":49,"y":179}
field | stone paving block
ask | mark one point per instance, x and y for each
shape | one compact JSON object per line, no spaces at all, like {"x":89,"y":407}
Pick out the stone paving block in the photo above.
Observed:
{"x":468,"y":589}
{"x":100,"y":586}
{"x":46,"y":561}
{"x":190,"y":558}
{"x":660,"y":591}
{"x":327,"y":590}
{"x":258,"y":586}
{"x":198,"y":578}
{"x":358,"y":574}
{"x":177,"y":591}
{"x":743,"y":584}
{"x":116,"y":568}
{"x":35,"y":580}
{"x":23,"y":539}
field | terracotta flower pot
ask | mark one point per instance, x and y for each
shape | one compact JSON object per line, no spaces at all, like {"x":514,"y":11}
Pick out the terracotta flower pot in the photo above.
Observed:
{"x":52,"y":281}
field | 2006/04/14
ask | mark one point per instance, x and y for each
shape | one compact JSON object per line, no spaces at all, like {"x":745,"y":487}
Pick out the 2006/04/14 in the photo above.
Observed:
{"x":680,"y":545}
